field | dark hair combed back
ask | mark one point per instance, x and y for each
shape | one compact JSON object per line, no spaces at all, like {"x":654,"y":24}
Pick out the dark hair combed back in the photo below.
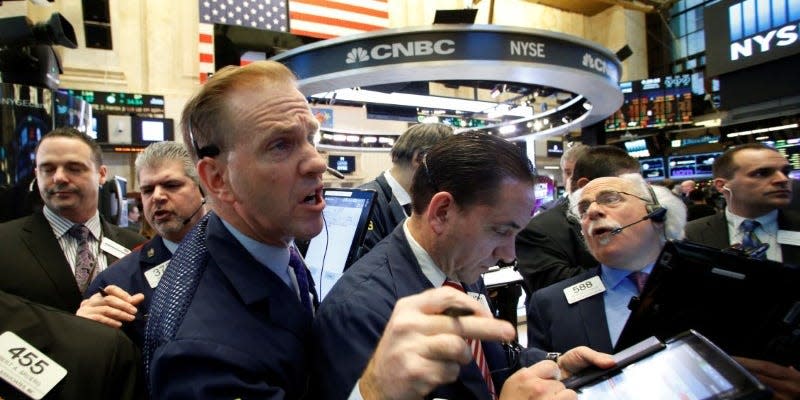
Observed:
{"x":602,"y":161}
{"x":471,"y":167}
{"x":418,"y":139}
{"x":725,"y":168}
{"x":206,"y":115}
{"x":72,"y":133}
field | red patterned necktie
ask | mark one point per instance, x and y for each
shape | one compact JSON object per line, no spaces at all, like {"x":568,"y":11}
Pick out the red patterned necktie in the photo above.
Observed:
{"x":85,"y":261}
{"x":477,"y":350}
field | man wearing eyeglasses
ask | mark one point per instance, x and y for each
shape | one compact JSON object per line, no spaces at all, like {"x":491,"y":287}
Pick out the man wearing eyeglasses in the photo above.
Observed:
{"x":618,"y":218}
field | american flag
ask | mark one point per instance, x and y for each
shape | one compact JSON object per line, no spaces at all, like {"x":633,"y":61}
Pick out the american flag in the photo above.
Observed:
{"x":321,"y":19}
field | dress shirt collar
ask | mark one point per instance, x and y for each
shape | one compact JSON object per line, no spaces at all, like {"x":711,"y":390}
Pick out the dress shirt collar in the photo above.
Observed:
{"x":613,"y":276}
{"x":170,"y":245}
{"x":426,"y":263}
{"x":397,"y":190}
{"x":276,"y":259}
{"x":61,"y":225}
{"x":768,"y":221}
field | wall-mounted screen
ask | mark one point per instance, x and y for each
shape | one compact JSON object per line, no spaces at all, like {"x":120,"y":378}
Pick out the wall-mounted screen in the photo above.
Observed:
{"x":637,"y":148}
{"x":653,"y":103}
{"x":119,"y":129}
{"x":789,"y":148}
{"x":343,"y":164}
{"x":691,"y":166}
{"x":151,"y":130}
{"x":555,"y":148}
{"x":653,"y":169}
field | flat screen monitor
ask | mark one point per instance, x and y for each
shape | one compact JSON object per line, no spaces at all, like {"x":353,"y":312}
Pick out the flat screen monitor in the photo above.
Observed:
{"x":343,"y":164}
{"x":653,"y":169}
{"x":637,"y":148}
{"x":555,"y":148}
{"x":691,"y":166}
{"x":346,"y":217}
{"x":99,"y":128}
{"x":152,"y":130}
{"x":119,"y":129}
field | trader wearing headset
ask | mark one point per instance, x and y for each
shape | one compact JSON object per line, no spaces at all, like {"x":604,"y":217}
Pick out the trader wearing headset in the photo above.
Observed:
{"x":625,"y":224}
{"x":120,"y":296}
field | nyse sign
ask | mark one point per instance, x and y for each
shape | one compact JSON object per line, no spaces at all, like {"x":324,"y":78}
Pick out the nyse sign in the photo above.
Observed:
{"x":765,"y":42}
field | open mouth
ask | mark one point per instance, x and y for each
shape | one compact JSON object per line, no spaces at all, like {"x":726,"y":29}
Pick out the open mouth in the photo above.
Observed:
{"x":313,"y":198}
{"x":601,"y":230}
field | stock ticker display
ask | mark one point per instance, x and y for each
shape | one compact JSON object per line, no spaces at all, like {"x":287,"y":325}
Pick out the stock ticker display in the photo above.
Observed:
{"x":653,"y":103}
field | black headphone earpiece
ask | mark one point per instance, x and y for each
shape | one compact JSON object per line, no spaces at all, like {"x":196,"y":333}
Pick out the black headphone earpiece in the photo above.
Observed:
{"x":655,"y":212}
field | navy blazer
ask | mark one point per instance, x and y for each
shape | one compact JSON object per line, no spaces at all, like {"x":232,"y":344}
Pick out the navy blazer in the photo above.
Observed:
{"x":354,"y":314}
{"x":222,"y":325}
{"x":713,"y":231}
{"x":128,"y":274}
{"x":555,"y":325}
{"x":34,"y":266}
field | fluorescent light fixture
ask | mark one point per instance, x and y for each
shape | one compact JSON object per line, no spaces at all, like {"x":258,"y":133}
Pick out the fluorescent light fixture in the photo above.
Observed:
{"x":506,"y":129}
{"x":369,"y":139}
{"x":709,"y":123}
{"x":551,"y":167}
{"x":339,"y":138}
{"x":353,"y":138}
{"x":763,"y":130}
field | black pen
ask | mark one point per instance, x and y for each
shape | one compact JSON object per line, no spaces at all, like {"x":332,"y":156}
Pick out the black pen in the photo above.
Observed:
{"x":456,"y":312}
{"x":103,"y":292}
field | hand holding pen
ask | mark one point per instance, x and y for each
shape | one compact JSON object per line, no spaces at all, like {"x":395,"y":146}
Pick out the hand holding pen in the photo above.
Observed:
{"x":111,"y":306}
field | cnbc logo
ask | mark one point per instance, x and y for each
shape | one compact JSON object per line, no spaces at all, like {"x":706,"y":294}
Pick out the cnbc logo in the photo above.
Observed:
{"x":761,"y":26}
{"x":386,"y":51}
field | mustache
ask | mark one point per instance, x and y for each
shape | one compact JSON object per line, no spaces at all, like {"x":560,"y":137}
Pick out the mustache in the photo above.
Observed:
{"x":61,"y":188}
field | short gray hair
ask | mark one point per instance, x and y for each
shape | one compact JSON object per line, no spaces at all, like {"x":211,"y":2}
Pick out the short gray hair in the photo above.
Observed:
{"x":573,"y":153}
{"x":156,"y":154}
{"x":675,"y":220}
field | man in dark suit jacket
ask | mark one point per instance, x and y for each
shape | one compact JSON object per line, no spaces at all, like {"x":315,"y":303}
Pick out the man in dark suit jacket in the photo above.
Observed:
{"x":557,"y":322}
{"x":69,"y":172}
{"x":754,"y":180}
{"x":232,"y":315}
{"x":101,"y":362}
{"x":551,"y":248}
{"x":393,"y":202}
{"x":172,"y":204}
{"x":464,"y":220}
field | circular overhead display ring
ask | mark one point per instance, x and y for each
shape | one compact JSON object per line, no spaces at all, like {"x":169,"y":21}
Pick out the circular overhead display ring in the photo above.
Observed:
{"x":463,"y":52}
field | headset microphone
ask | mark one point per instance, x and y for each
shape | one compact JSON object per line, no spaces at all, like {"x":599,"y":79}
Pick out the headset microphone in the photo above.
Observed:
{"x":659,"y":214}
{"x":197,"y":210}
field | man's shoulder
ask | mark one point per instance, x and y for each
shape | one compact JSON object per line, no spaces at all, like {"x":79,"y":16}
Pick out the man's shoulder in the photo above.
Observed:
{"x":15,"y":225}
{"x":702,"y":223}
{"x":125,"y":237}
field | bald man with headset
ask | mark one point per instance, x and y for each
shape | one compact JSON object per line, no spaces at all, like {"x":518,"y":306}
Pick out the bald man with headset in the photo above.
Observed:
{"x":120,"y":296}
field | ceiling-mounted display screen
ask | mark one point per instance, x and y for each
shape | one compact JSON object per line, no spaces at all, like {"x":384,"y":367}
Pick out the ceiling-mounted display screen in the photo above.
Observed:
{"x":691,"y":166}
{"x":653,"y":103}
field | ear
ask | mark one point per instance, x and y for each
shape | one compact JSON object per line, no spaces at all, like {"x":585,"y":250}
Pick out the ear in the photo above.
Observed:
{"x":581,"y":182}
{"x":416,"y":160}
{"x":719,"y":183}
{"x":439,"y":211}
{"x":102,"y":171}
{"x":213,"y":176}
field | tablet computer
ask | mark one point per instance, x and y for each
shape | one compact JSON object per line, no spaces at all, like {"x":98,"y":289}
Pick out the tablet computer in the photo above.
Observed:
{"x":748,"y":307}
{"x":687,"y":366}
{"x":346,"y":217}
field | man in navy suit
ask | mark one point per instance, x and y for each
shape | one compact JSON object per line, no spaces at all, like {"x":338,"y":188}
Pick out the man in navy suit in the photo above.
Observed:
{"x":232,"y":315}
{"x":595,"y":318}
{"x":41,"y":255}
{"x":471,"y":195}
{"x":172,"y":203}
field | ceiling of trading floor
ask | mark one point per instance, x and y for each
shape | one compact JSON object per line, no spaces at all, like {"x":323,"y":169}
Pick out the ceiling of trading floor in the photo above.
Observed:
{"x":592,"y":7}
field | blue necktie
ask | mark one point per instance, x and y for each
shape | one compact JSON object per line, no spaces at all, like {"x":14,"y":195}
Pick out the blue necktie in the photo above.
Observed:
{"x":301,"y":273}
{"x":749,"y":239}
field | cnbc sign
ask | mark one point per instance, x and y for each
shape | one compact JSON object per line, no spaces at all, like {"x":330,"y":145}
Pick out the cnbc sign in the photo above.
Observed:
{"x":755,"y":31}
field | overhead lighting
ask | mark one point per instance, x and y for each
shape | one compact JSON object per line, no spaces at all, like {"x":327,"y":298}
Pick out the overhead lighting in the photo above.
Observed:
{"x":551,"y":167}
{"x":431,"y":119}
{"x":762,"y":130}
{"x":495,"y":92}
{"x":339,"y":138}
{"x":507,"y":129}
{"x":369,"y":139}
{"x":587,"y":106}
{"x":709,"y":123}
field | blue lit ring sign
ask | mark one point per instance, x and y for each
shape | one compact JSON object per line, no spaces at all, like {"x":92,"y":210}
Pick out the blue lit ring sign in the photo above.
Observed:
{"x":461,"y":52}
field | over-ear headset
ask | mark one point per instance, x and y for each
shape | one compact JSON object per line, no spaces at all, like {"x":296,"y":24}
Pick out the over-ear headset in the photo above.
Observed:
{"x":655,"y":212}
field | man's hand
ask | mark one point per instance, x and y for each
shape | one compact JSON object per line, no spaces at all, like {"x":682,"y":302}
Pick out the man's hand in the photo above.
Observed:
{"x":539,"y":381}
{"x":784,"y":381}
{"x":113,"y":308}
{"x":581,"y":357}
{"x":421,"y":349}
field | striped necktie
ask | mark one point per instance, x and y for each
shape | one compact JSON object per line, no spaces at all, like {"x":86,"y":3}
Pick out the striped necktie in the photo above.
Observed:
{"x":477,"y":350}
{"x":749,"y":238}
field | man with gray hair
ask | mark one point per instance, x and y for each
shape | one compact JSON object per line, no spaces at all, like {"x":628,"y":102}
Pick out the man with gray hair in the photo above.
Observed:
{"x":120,"y":296}
{"x":612,"y":212}
{"x":393,"y":201}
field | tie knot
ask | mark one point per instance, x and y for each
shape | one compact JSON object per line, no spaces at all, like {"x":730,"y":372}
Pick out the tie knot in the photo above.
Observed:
{"x":749,"y":225}
{"x":454,"y":285}
{"x":639,"y":278}
{"x":79,"y":231}
{"x":295,"y":261}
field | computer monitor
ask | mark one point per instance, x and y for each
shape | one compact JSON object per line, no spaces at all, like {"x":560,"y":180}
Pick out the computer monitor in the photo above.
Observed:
{"x":343,"y":164}
{"x":346,"y":217}
{"x":152,"y":130}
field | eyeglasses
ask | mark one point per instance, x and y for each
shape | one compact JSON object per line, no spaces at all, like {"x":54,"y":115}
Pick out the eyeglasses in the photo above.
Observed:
{"x":607,"y":198}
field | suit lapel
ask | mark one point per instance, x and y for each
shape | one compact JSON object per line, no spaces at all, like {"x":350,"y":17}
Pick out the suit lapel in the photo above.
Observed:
{"x":716,"y":232}
{"x":595,"y":327}
{"x":39,"y":238}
